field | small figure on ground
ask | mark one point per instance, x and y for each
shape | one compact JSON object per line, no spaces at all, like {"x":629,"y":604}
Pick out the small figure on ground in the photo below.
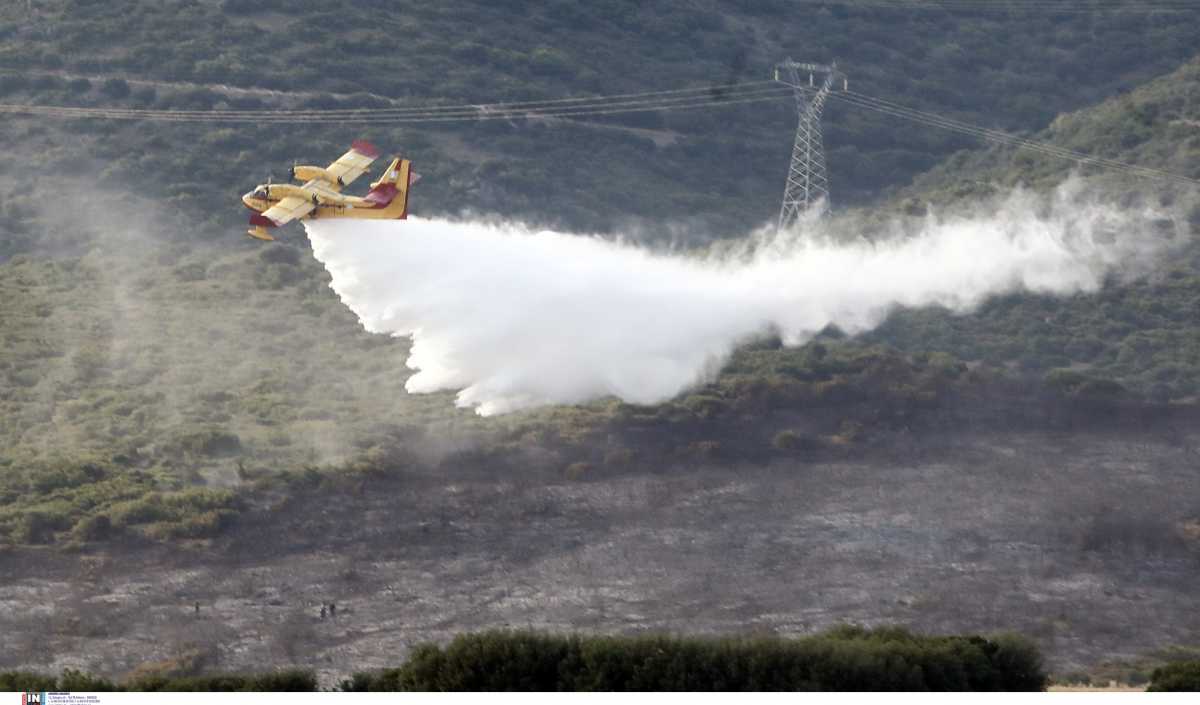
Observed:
{"x":322,"y":611}
{"x":333,"y":610}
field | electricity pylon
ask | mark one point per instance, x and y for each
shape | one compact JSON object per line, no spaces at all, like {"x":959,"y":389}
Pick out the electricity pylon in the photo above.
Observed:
{"x":807,"y":185}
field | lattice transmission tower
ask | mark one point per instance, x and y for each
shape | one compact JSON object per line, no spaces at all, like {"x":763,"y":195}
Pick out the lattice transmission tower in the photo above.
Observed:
{"x":807,"y":185}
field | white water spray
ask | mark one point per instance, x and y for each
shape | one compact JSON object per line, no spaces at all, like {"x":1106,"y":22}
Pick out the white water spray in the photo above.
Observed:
{"x":514,"y":318}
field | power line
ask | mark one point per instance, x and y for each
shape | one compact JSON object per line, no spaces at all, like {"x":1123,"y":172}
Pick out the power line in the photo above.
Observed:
{"x":611,"y":108}
{"x":716,"y":92}
{"x":1049,"y":6}
{"x":650,"y":101}
{"x":934,"y":120}
{"x":480,"y":113}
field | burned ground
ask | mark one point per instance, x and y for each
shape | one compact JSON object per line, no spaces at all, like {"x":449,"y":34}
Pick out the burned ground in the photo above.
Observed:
{"x":1088,"y":543}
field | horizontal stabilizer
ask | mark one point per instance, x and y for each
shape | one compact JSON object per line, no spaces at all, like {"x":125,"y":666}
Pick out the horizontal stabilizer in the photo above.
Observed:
{"x":262,"y":221}
{"x":365,"y":148}
{"x":381,"y":195}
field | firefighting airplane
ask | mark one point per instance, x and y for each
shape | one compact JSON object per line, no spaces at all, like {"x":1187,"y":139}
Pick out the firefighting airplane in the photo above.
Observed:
{"x":320,"y":195}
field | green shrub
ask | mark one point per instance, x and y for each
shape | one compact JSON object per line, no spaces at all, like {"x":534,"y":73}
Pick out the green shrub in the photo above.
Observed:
{"x":288,"y":681}
{"x":71,"y":679}
{"x":847,"y":658}
{"x":789,"y":440}
{"x":94,"y":528}
{"x":115,"y":88}
{"x":40,"y":525}
{"x":1183,"y":676}
{"x":843,"y":659}
{"x":209,"y":442}
{"x":140,"y":511}
{"x":26,"y":681}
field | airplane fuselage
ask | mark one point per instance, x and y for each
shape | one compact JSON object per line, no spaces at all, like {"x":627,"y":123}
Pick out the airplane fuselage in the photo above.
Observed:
{"x":321,"y":197}
{"x":260,"y":203}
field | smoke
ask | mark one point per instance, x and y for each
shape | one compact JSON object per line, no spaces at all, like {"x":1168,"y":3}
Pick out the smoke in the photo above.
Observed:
{"x":514,"y":318}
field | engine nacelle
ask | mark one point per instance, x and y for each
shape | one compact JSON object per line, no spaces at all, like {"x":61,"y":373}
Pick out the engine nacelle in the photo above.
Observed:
{"x":307,"y":173}
{"x":280,"y":191}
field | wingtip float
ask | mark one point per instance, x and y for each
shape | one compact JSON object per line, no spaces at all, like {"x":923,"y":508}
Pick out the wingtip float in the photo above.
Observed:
{"x":319,"y":195}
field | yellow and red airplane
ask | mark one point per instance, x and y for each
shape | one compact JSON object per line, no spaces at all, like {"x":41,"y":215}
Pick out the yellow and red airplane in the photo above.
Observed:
{"x":320,"y":194}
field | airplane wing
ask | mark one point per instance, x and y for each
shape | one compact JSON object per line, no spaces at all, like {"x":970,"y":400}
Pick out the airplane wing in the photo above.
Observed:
{"x":289,"y":209}
{"x":354,"y":163}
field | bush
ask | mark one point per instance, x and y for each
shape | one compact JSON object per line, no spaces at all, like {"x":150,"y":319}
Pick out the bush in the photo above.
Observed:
{"x":115,"y":88}
{"x":288,"y":681}
{"x":40,"y":525}
{"x":789,"y":440}
{"x":26,"y":681}
{"x":848,"y":659}
{"x":578,"y":471}
{"x":71,"y":679}
{"x":1183,"y":676}
{"x":94,"y":528}
{"x":209,"y":442}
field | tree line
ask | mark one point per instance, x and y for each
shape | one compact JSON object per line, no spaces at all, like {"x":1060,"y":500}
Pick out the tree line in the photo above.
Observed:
{"x":847,"y":658}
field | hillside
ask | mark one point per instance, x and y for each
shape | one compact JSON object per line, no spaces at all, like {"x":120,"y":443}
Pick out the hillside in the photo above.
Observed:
{"x":147,"y":337}
{"x":184,"y":408}
{"x":718,"y":171}
{"x":1143,"y":333}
